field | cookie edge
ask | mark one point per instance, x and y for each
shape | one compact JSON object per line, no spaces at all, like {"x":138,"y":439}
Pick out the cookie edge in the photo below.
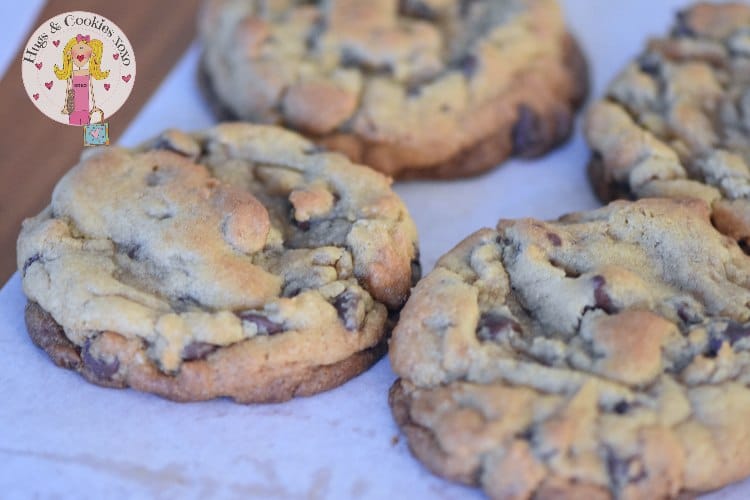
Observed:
{"x":49,"y":336}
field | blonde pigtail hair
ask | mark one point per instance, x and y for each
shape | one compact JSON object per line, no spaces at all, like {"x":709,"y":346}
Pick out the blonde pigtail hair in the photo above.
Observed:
{"x":67,"y":67}
{"x":95,"y":63}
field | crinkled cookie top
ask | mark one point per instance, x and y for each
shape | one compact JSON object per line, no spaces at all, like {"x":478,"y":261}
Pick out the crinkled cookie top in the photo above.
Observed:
{"x":676,"y":121}
{"x":609,"y":349}
{"x":215,"y":238}
{"x":372,"y":71}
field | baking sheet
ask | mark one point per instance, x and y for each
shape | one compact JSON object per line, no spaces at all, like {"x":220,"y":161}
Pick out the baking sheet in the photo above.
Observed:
{"x":63,"y":437}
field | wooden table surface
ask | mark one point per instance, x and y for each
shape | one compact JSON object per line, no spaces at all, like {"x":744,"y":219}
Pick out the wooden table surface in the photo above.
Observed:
{"x":34,"y":150}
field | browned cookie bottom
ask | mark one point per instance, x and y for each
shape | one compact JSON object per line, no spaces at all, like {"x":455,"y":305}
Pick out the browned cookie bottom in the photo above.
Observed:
{"x":532,"y":132}
{"x":604,"y":185}
{"x":422,"y":442}
{"x":112,"y":360}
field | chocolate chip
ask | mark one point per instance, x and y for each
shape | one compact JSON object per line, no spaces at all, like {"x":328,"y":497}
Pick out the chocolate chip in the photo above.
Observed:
{"x":34,"y":258}
{"x":744,"y":244}
{"x":197,"y":350}
{"x":346,"y":304}
{"x":554,"y":239}
{"x":132,"y":250}
{"x":650,"y":64}
{"x":417,"y":9}
{"x":682,"y":27}
{"x":621,"y":407}
{"x":713,"y":347}
{"x":492,"y":325}
{"x":317,"y":29}
{"x":527,"y":134}
{"x":688,"y":314}
{"x":265,"y":325}
{"x":602,"y":299}
{"x":99,"y":368}
{"x":736,"y":332}
{"x":468,"y":65}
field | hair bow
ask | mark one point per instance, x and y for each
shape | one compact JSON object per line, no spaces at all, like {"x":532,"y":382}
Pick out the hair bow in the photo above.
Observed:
{"x":83,"y":38}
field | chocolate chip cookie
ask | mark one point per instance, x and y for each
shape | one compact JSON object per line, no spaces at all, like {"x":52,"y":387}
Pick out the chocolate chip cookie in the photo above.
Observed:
{"x":603,"y":355}
{"x":413,"y":88}
{"x":676,"y":122}
{"x":240,"y":262}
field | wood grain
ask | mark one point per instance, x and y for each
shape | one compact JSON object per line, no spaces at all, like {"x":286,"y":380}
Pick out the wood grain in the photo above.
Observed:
{"x":34,"y":150}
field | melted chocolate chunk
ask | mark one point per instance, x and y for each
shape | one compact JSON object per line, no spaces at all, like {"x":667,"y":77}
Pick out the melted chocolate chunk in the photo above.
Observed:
{"x":736,"y":332}
{"x":713,"y":347}
{"x":417,"y":9}
{"x":527,"y":134}
{"x":468,"y":64}
{"x":346,"y":304}
{"x":682,"y":28}
{"x":492,"y":325}
{"x":197,"y":350}
{"x":649,"y":63}
{"x":101,"y":369}
{"x":265,"y":325}
{"x":603,"y":300}
{"x":621,"y":407}
{"x":302,"y":225}
{"x":132,"y":250}
{"x":317,"y":29}
{"x":554,"y":239}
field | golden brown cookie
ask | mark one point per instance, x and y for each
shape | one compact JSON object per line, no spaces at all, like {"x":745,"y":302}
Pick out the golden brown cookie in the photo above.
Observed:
{"x":240,"y":261}
{"x":417,"y":88}
{"x":603,"y":355}
{"x":675,"y":123}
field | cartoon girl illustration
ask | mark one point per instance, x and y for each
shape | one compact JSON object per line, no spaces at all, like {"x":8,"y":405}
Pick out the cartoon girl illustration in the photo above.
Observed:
{"x":79,"y":51}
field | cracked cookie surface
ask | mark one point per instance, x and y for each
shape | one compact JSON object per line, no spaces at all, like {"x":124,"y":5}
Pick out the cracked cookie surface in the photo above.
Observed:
{"x":675,"y":123}
{"x":240,"y":261}
{"x":413,"y":88}
{"x":603,"y":355}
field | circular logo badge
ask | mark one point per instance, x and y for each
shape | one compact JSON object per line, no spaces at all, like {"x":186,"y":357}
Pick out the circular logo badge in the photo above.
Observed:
{"x":78,"y":68}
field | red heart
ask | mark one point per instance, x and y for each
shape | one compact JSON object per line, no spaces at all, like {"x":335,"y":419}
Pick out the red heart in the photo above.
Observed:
{"x":95,"y":133}
{"x":126,"y":78}
{"x":115,"y":56}
{"x":38,"y":65}
{"x":48,"y":85}
{"x":36,"y":97}
{"x":106,"y":86}
{"x":56,"y":43}
{"x":80,"y":57}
